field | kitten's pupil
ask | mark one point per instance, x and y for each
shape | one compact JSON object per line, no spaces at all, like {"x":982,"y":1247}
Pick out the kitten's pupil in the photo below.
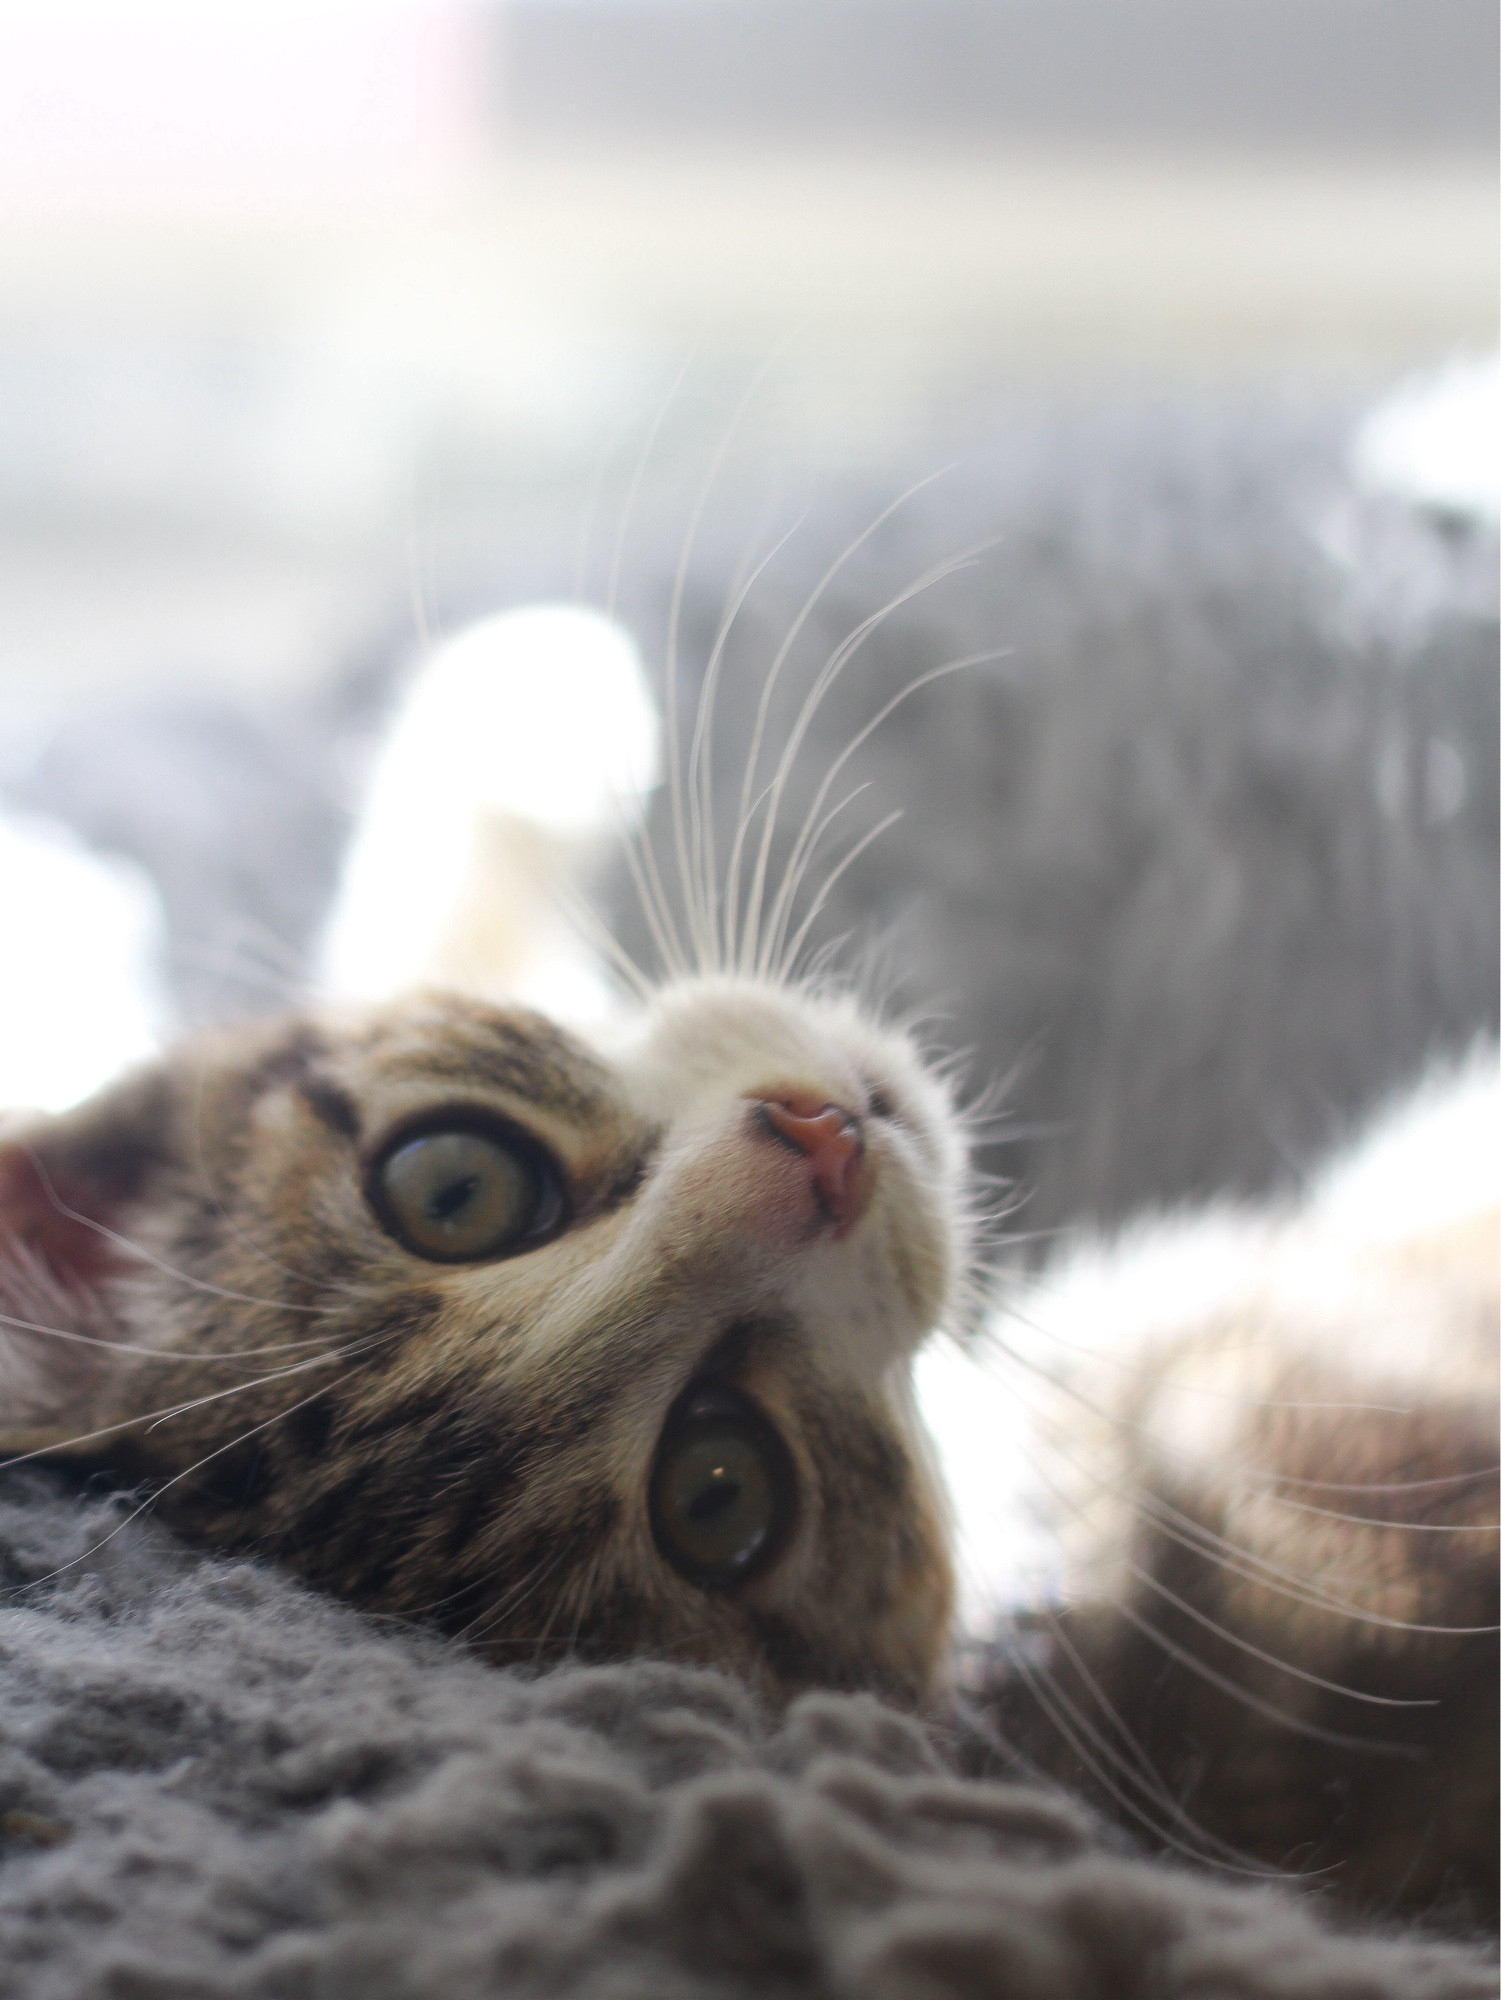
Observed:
{"x":722,"y":1490}
{"x":447,"y":1201}
{"x":721,"y":1493}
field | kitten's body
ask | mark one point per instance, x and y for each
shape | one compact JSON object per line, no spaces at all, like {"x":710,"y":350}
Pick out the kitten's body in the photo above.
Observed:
{"x":761,"y":1212}
{"x":1261,"y":1446}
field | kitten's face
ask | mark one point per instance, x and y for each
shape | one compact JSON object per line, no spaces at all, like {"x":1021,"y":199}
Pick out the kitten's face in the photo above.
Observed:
{"x":560,"y":1349}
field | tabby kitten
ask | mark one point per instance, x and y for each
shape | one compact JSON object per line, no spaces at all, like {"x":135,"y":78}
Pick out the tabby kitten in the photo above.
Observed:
{"x":599,"y":1340}
{"x":565,"y":1345}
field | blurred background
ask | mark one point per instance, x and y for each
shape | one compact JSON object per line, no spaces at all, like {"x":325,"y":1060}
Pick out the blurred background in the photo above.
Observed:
{"x":325,"y":327}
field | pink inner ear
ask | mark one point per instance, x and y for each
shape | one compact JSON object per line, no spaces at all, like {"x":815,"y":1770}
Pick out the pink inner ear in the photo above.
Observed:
{"x":58,"y":1216}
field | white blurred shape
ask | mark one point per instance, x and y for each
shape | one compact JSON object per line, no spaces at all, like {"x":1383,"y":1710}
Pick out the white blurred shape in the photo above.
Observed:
{"x":974,"y":1404}
{"x":285,"y":104}
{"x":1434,"y":1160}
{"x":523,"y":745}
{"x":81,"y":998}
{"x":1436,"y":442}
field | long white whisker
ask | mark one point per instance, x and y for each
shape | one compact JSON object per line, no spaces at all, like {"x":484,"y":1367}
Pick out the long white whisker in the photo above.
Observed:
{"x":832,"y":668}
{"x":601,"y":939}
{"x":484,"y":1622}
{"x":688,"y":844}
{"x":186,"y":1473}
{"x":145,"y":1256}
{"x":807,"y":838}
{"x":1194,"y":1536}
{"x":1197,"y":1538}
{"x":253,"y":955}
{"x":745,"y":944}
{"x":809,"y":834}
{"x":1381,"y":1521}
{"x":1244,"y":1562}
{"x":671,"y":719}
{"x":592,"y":497}
{"x":798,"y":873}
{"x":1072,"y":1726}
{"x":1268,"y":1710}
{"x":416,"y":595}
{"x":360,"y":1346}
{"x":652,"y":900}
{"x":786,"y":961}
{"x":700,"y":756}
{"x":1233,"y":1638}
{"x":1190,"y":1534}
{"x":111,"y":1346}
{"x":1385,"y":1485}
{"x":1133,"y":1762}
{"x":643,"y":460}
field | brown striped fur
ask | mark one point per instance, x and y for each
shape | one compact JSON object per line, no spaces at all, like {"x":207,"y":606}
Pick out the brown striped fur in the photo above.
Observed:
{"x":471,"y":1444}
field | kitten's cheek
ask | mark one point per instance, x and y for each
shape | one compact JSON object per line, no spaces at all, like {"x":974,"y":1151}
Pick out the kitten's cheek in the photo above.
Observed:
{"x":783,"y":1212}
{"x":736,"y":1203}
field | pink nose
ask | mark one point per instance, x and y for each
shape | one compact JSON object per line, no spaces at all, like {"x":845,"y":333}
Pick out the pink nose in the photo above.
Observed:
{"x":831,"y":1141}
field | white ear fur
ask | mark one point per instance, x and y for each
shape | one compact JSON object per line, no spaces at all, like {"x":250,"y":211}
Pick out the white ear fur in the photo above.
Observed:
{"x":522,"y":745}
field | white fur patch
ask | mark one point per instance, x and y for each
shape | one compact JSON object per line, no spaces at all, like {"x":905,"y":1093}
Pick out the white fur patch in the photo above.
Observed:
{"x":1101,"y":1318}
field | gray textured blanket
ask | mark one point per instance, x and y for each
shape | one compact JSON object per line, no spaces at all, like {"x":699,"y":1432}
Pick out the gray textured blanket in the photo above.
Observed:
{"x":213,"y":1783}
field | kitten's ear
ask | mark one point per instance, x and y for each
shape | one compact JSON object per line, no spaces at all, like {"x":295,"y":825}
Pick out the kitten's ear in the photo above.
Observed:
{"x":66,"y":1184}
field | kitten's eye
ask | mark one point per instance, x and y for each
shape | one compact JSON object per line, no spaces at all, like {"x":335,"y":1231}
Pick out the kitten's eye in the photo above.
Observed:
{"x":460,"y":1196}
{"x":722,"y":1490}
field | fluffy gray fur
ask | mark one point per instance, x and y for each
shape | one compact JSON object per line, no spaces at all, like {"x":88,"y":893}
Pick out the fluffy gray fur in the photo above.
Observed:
{"x":214,"y":1784}
{"x":1205,"y":864}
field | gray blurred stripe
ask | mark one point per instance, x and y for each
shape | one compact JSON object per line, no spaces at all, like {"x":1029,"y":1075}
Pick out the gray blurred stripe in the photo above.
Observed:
{"x":1343,"y":74}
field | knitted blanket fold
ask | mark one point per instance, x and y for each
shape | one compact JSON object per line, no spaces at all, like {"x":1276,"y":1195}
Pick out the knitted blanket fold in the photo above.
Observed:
{"x":213,"y":1783}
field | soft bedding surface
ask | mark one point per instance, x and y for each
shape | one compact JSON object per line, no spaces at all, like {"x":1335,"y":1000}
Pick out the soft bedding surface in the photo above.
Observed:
{"x":213,"y":1783}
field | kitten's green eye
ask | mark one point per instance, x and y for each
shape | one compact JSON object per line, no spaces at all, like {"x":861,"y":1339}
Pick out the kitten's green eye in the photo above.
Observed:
{"x":722,"y":1490}
{"x":461,"y":1195}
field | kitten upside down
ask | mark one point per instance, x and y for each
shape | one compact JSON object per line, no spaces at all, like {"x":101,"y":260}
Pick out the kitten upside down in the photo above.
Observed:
{"x":602,"y":1344}
{"x":607,"y":1351}
{"x":469,"y":1323}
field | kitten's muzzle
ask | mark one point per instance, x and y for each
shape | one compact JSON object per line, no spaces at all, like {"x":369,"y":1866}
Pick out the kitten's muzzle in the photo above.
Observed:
{"x":832,"y":1141}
